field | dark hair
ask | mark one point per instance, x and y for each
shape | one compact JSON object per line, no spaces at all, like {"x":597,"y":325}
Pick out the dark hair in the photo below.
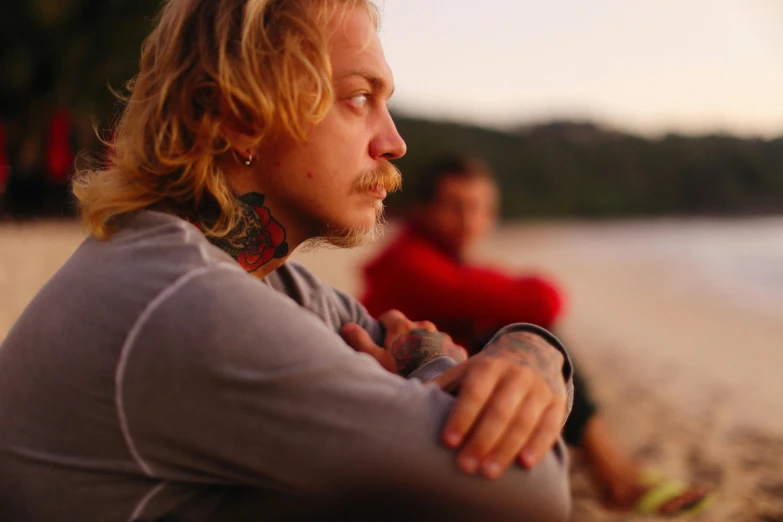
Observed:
{"x":444,"y":167}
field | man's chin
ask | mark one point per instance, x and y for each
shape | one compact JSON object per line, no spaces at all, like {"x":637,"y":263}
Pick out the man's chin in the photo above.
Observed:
{"x":354,"y":237}
{"x":347,"y":237}
{"x":359,"y":232}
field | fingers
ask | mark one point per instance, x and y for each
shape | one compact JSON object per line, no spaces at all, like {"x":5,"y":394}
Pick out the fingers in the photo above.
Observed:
{"x":357,"y":338}
{"x":396,"y":324}
{"x":516,"y":436}
{"x":544,"y":436}
{"x":450,"y":379}
{"x":492,"y":428}
{"x":475,"y":390}
{"x":503,"y":412}
{"x":392,"y":317}
{"x":425,"y":325}
{"x":396,"y":320}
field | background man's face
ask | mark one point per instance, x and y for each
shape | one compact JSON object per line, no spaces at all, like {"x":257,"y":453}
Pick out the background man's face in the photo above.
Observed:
{"x":336,"y":179}
{"x":463,"y":211}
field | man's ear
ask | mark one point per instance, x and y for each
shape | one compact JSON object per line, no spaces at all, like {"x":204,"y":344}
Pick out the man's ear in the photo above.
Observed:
{"x":240,"y":142}
{"x":236,"y":128}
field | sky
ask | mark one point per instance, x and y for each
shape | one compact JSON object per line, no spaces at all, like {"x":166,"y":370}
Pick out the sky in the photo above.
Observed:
{"x":645,"y":66}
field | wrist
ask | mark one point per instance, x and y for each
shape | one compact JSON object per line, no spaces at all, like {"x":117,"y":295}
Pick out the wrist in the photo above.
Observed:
{"x":527,"y":348}
{"x":550,"y":340}
{"x":418,"y":347}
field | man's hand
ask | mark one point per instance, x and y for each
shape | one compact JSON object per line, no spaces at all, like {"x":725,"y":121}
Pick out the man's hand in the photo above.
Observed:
{"x":511,"y":399}
{"x":408,"y":344}
{"x":511,"y":404}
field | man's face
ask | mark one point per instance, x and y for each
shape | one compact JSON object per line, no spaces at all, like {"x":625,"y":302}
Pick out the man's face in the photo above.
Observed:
{"x":463,"y":211}
{"x":332,"y":185}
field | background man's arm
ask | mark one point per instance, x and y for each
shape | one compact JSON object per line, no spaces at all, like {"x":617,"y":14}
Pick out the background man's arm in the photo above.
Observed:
{"x":431,"y":288}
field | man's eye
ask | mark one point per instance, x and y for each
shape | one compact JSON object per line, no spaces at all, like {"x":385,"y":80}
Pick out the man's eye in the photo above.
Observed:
{"x":359,"y":101}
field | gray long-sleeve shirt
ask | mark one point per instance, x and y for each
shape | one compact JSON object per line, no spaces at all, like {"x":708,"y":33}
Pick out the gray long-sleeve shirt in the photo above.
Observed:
{"x":151,"y":378}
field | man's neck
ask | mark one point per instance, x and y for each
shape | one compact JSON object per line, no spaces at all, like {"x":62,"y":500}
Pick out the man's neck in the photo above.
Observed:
{"x":258,"y":242}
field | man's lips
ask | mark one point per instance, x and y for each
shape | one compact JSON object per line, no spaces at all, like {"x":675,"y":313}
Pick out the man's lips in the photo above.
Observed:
{"x":378,"y":191}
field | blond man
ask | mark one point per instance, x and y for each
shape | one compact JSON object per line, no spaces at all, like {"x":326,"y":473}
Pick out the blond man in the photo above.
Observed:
{"x":196,"y":375}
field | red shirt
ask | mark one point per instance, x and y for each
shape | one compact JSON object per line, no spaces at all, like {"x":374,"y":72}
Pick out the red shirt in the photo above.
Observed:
{"x":468,"y":302}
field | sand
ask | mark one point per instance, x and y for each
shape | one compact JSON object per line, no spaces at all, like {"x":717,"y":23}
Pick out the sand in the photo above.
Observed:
{"x":686,"y":377}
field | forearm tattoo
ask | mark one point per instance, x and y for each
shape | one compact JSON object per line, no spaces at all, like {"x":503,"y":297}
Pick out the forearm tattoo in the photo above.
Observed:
{"x":532,"y":350}
{"x":419,"y":346}
{"x":257,"y":238}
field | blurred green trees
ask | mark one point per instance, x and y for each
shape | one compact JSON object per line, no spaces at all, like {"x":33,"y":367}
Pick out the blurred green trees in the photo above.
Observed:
{"x":60,"y":57}
{"x":67,"y":53}
{"x":581,"y":170}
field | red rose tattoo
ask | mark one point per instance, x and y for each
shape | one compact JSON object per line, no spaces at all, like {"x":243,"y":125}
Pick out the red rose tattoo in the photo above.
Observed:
{"x":258,"y":237}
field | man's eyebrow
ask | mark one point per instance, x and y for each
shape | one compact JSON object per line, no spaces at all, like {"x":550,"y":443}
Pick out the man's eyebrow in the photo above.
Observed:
{"x":378,"y":83}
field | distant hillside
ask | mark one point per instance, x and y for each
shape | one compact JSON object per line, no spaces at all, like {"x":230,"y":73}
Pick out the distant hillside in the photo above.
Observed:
{"x":579,"y":169}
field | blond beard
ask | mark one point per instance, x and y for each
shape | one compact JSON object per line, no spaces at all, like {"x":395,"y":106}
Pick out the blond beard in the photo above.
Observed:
{"x":386,"y":176}
{"x":349,"y":237}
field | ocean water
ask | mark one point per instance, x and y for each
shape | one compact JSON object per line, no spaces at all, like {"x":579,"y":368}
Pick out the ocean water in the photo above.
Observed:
{"x":740,"y":259}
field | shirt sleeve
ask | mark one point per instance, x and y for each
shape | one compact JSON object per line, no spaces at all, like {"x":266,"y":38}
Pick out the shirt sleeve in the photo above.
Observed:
{"x":349,"y":310}
{"x":352,"y":311}
{"x":228,"y":382}
{"x":430,"y":286}
{"x":336,"y":308}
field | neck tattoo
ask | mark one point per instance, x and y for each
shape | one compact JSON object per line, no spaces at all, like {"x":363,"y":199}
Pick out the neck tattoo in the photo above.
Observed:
{"x":257,"y":239}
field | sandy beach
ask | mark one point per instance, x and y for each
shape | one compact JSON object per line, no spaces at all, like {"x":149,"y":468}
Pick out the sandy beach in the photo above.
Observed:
{"x":686,"y":372}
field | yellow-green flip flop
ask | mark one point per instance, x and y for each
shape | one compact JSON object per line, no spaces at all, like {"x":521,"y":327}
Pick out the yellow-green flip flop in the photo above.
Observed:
{"x":664,"y":491}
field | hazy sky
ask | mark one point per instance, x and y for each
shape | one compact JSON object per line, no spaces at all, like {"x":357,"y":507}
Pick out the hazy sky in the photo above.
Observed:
{"x":649,"y":66}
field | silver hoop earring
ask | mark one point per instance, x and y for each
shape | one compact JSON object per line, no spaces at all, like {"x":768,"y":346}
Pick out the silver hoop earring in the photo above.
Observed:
{"x":249,"y":160}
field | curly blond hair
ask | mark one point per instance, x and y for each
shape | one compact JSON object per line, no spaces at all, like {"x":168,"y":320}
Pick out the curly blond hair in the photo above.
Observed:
{"x":259,"y":66}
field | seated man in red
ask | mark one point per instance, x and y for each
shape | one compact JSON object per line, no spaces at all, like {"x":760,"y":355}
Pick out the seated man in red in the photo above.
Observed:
{"x":423,"y":274}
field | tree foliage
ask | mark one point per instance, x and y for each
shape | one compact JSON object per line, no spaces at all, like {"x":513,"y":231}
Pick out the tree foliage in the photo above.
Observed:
{"x":67,"y":53}
{"x":579,"y":169}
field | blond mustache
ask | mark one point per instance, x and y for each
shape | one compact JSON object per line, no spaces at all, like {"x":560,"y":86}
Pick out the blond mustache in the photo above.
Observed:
{"x":386,"y":175}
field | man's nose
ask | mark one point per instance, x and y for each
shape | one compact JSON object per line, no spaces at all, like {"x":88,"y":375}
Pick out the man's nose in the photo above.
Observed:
{"x":388,"y":144}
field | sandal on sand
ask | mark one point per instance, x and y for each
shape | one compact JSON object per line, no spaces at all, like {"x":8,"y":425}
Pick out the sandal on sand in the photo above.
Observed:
{"x":664,"y":491}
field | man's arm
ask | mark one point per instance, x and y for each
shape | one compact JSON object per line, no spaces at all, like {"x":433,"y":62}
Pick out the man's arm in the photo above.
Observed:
{"x":513,"y":397}
{"x":229,"y":382}
{"x":418,"y":350}
{"x":519,"y":366}
{"x":338,"y":309}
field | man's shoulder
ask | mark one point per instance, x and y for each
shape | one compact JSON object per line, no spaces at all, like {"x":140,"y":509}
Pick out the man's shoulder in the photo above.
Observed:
{"x":149,"y":257}
{"x":163,"y":237}
{"x":216,"y":315}
{"x":149,"y":250}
